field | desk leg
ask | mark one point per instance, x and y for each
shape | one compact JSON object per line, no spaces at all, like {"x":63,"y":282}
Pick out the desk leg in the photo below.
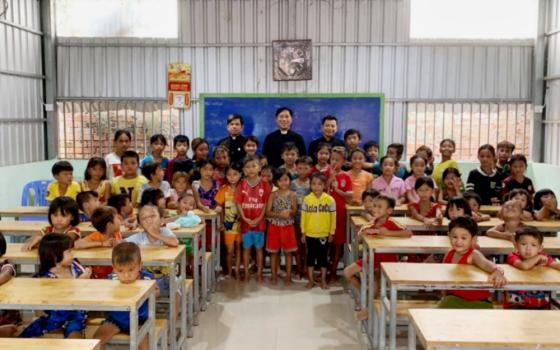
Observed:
{"x":134,"y":341}
{"x":382,"y":314}
{"x":184,"y":301}
{"x":346,"y":256}
{"x":371,"y":296}
{"x":173,"y":289}
{"x":216,"y":251}
{"x":152,"y":319}
{"x":196,"y":277}
{"x":204,"y":279}
{"x":393,"y":318}
{"x":411,"y":337}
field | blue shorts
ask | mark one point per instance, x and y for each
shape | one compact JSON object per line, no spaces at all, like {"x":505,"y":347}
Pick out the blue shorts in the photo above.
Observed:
{"x":69,"y":321}
{"x":121,"y":319}
{"x":163,"y":285}
{"x":253,"y":238}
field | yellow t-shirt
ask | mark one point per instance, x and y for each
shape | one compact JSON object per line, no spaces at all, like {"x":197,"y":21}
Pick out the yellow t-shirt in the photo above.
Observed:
{"x":53,"y":190}
{"x":120,"y":185}
{"x":318,"y":215}
{"x":440,"y":168}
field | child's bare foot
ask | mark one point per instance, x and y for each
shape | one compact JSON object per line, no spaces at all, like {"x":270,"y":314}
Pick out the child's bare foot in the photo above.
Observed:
{"x":288,"y":281}
{"x":274,"y":281}
{"x":260,"y":279}
{"x":246,"y":277}
{"x":324,"y":285}
{"x":362,"y":315}
{"x":310,"y":284}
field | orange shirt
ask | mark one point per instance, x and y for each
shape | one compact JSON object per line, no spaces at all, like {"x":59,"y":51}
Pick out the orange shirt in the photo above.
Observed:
{"x":360,"y":183}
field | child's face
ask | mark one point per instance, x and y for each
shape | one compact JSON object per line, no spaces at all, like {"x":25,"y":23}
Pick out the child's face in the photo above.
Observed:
{"x":201,"y":152}
{"x":149,"y":217}
{"x":122,"y":144}
{"x":504,"y":154}
{"x":368,"y":204}
{"x":424,"y":155}
{"x":518,"y":168}
{"x":67,"y":258}
{"x":419,"y":167}
{"x":234,"y":127}
{"x":222,"y":159}
{"x":521,"y":198}
{"x":251,"y":169}
{"x":317,"y":186}
{"x":447,"y":149}
{"x":130,"y":167}
{"x":357,"y":160}
{"x":329,"y":128}
{"x":289,"y":157}
{"x":337,"y":160}
{"x":511,"y":210}
{"x":425,"y":192}
{"x":381,"y":208}
{"x":186,"y":204}
{"x":96,"y":172}
{"x":323,"y":156}
{"x":60,"y":222}
{"x":548,"y":200}
{"x":373,"y":153}
{"x":263,"y":161}
{"x":233,"y":176}
{"x":180,"y":184}
{"x":115,"y":225}
{"x":158,"y":175}
{"x":91,"y":205}
{"x":207,"y":171}
{"x":450,"y":180}
{"x":266,"y":175}
{"x":128,"y":273}
{"x":352,"y":141}
{"x":283,"y":183}
{"x":473,"y":204}
{"x":181,"y":148}
{"x":454,"y":212}
{"x":157,"y":148}
{"x":461,"y":239}
{"x":127,"y":209}
{"x":250,"y":148}
{"x":303,"y":170}
{"x":392,"y":152}
{"x":528,"y":247}
{"x":486,"y":158}
{"x":388,"y":167}
{"x":64,"y":177}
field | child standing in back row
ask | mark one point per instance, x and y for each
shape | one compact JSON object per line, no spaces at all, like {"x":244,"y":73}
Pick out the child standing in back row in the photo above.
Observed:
{"x":121,"y":143}
{"x":486,"y":180}
{"x":158,"y":142}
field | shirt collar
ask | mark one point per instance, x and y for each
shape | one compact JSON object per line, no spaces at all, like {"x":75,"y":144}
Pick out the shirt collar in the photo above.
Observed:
{"x":485,"y":174}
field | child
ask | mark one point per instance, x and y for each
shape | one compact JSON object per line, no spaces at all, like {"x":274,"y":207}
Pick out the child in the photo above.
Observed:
{"x":181,"y":147}
{"x":155,"y":197}
{"x":9,"y":319}
{"x":186,"y":204}
{"x":352,"y":138}
{"x":129,"y":182}
{"x":517,"y":179}
{"x":526,"y":201}
{"x":108,"y":225}
{"x":511,"y":215}
{"x":368,"y":197}
{"x":388,"y":183}
{"x":125,"y":210}
{"x":505,"y":150}
{"x":251,"y":145}
{"x":486,"y":180}
{"x":127,"y":268}
{"x":121,"y":143}
{"x":200,"y":149}
{"x":462,"y":236}
{"x":56,"y":261}
{"x":301,"y":186}
{"x":446,"y":148}
{"x":372,"y":152}
{"x":475,"y":202}
{"x":452,"y":185}
{"x":425,"y":210}
{"x":87,"y":202}
{"x":529,"y":254}
{"x":95,"y":179}
{"x":418,"y":169}
{"x":457,"y":206}
{"x":263,"y":161}
{"x":280,"y":210}
{"x":225,"y":198}
{"x":361,"y":179}
{"x":395,"y":150}
{"x":318,"y":223}
{"x":546,"y":205}
{"x":289,"y":157}
{"x":63,"y":218}
{"x":155,"y":173}
{"x":221,"y":162}
{"x":181,"y":185}
{"x":267,"y":175}
{"x":340,"y":188}
{"x":427,"y":153}
{"x":158,"y":142}
{"x":205,"y":189}
{"x":323,"y":158}
{"x":63,"y":184}
{"x":251,"y":196}
{"x":234,"y":141}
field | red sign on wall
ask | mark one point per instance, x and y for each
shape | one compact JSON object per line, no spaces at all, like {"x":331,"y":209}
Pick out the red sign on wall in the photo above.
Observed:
{"x":179,"y":85}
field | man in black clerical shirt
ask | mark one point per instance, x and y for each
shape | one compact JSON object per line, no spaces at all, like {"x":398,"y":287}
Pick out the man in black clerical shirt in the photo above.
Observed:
{"x":274,"y":141}
{"x":234,"y":142}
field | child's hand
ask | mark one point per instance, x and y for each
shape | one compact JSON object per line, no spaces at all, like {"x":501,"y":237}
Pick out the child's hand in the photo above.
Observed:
{"x":429,"y":222}
{"x":205,"y":209}
{"x":484,"y":217}
{"x":253,"y":223}
{"x":27,"y":246}
{"x":334,"y":184}
{"x":542,"y":260}
{"x":87,"y":274}
{"x":498,"y":278}
{"x":331,"y":238}
{"x":218,"y":210}
{"x":285,"y":214}
{"x":303,"y":239}
{"x":526,"y":216}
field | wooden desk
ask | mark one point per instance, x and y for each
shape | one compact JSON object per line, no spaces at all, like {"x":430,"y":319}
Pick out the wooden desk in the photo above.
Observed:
{"x":487,"y":329}
{"x":87,"y":295}
{"x":215,"y":244}
{"x":415,"y":225}
{"x":18,"y":212}
{"x":49,"y":344}
{"x":397,"y":277}
{"x":402,"y":209}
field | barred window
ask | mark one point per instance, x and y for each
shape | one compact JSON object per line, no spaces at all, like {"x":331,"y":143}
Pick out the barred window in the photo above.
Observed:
{"x":86,"y":128}
{"x":470,"y":125}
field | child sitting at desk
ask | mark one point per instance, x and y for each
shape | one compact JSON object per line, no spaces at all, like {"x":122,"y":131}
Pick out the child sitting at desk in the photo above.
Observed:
{"x":123,"y":205}
{"x":529,"y":254}
{"x":425,"y":209}
{"x":127,"y":267}
{"x":9,"y":319}
{"x":475,"y":201}
{"x":457,"y":206}
{"x":526,"y":200}
{"x":546,"y":205}
{"x":87,"y":202}
{"x":367,"y":199}
{"x":462,"y":236}
{"x":511,"y":214}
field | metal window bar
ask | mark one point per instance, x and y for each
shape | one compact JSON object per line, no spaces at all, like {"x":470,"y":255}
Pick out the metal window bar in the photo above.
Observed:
{"x":470,"y":124}
{"x":86,"y":127}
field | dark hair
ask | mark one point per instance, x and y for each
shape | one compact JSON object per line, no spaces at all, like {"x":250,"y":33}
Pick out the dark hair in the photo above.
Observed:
{"x":197,"y":142}
{"x":151,"y":196}
{"x":61,"y":166}
{"x":424,"y":180}
{"x":448,"y":171}
{"x":66,"y":206}
{"x":180,"y":174}
{"x":426,"y":149}
{"x":524,"y":192}
{"x":84,"y":197}
{"x":118,"y":201}
{"x":120,"y":132}
{"x":92,"y":162}
{"x":391,"y":203}
{"x":505,"y":144}
{"x":181,"y":139}
{"x":102,"y":216}
{"x":251,"y":138}
{"x":447,"y":140}
{"x":487,"y":147}
{"x":538,"y":196}
{"x":371,"y":144}
{"x":51,"y":250}
{"x":204,"y":162}
{"x":529,"y":231}
{"x":370,"y":193}
{"x":472,"y":195}
{"x":130,"y":154}
{"x":384,"y":158}
{"x":324,"y":145}
{"x":465,"y":222}
{"x":460,"y":203}
{"x":416,"y":157}
{"x":3,"y":245}
{"x":125,"y":253}
{"x":234,"y":166}
{"x":220,"y":148}
{"x":250,"y":159}
{"x":158,"y":137}
{"x":289,"y":146}
{"x":357,"y":150}
{"x":268,"y":168}
{"x":150,"y":169}
{"x":351,"y":132}
{"x":235,"y":116}
{"x":319,"y":176}
{"x":327,"y":118}
{"x":518,"y":158}
{"x":305,"y":160}
{"x":282,"y":109}
{"x":399,"y":147}
{"x":278,"y":173}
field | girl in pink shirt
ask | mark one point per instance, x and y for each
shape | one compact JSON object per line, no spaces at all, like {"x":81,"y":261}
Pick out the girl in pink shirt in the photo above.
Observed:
{"x":418,"y":167}
{"x":388,"y":184}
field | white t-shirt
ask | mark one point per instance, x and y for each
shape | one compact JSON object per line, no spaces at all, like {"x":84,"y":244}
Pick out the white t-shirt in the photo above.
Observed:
{"x":113,"y":162}
{"x":165,"y":187}
{"x":141,"y":238}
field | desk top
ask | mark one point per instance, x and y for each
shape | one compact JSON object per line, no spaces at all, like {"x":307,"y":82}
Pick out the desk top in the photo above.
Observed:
{"x":24,"y":211}
{"x":401,"y":209}
{"x":454,"y":274}
{"x":48,"y":344}
{"x":487,"y":328}
{"x":210,"y":215}
{"x":151,"y":255}
{"x":67,"y":294}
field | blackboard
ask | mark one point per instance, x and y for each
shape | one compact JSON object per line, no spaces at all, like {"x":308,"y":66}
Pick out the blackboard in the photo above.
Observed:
{"x":363,"y":112}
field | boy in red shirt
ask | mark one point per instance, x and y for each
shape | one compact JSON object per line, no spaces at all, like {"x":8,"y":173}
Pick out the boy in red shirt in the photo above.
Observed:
{"x":251,"y":196}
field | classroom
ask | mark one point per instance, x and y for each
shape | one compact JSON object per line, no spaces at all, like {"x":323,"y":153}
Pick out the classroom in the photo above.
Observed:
{"x":279,"y":174}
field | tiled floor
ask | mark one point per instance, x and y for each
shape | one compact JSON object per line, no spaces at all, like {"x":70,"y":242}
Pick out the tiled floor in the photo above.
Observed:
{"x":249,"y":316}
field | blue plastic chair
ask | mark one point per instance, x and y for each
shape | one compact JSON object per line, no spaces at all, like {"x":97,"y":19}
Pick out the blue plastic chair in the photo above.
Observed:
{"x":34,"y":194}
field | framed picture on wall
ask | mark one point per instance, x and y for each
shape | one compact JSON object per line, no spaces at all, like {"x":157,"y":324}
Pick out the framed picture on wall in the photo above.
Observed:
{"x":291,"y":60}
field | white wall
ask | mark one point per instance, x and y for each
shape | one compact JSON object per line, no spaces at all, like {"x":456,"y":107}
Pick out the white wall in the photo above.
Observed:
{"x":552,"y":97}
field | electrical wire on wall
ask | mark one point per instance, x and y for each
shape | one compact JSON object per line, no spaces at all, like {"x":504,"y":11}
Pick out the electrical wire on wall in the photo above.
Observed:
{"x":3,"y":7}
